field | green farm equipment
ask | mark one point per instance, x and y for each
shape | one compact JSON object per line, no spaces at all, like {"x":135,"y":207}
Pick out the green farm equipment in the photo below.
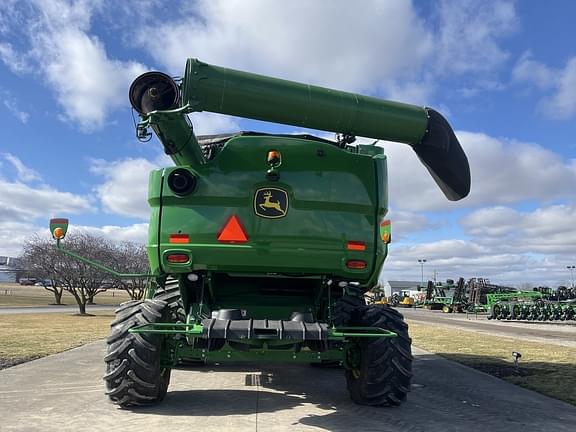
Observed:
{"x":529,"y":306}
{"x":261,"y":246}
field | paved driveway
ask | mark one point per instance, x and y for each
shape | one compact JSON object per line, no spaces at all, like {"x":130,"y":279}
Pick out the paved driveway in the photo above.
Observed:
{"x":64,"y":392}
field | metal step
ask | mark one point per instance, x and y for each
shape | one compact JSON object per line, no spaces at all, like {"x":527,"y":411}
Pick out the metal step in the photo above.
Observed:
{"x":263,"y":329}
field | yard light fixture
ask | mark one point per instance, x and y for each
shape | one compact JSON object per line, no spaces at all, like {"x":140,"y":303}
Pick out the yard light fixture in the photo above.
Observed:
{"x":571,"y":269}
{"x":421,"y":261}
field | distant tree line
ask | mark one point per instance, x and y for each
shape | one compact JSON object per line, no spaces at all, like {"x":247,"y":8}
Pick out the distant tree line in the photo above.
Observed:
{"x":59,"y":272}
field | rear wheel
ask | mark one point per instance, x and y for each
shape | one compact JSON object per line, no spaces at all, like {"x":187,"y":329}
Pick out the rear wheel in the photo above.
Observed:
{"x":345,"y":308}
{"x":380,"y":369}
{"x":133,"y":372}
{"x":170,"y":293}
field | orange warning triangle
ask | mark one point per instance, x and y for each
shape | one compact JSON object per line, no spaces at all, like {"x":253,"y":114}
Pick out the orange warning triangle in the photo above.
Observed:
{"x":233,"y":231}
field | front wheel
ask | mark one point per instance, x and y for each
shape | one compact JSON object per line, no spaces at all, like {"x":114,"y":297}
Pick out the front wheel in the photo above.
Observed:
{"x":379,"y":370}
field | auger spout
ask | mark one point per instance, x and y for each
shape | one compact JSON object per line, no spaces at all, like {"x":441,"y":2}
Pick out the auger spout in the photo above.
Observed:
{"x":226,"y":91}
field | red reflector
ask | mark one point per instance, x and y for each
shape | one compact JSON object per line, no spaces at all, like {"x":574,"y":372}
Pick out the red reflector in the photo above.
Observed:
{"x":233,"y":231}
{"x":356,"y":246}
{"x":179,"y":238}
{"x":178,"y":258}
{"x":356,"y":264}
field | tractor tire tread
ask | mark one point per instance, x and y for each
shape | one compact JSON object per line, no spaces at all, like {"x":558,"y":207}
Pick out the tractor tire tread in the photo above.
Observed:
{"x":133,"y":373}
{"x":386,"y":363}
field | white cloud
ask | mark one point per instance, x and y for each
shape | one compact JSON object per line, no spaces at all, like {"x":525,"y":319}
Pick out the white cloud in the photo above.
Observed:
{"x":13,"y":106}
{"x":559,"y":84}
{"x":529,"y":70}
{"x":547,"y":230}
{"x":19,"y":201}
{"x":333,"y":45}
{"x":503,"y":172}
{"x":24,"y":173}
{"x":136,"y":233}
{"x":451,"y":259}
{"x":16,"y":61}
{"x":205,"y":123}
{"x":14,"y":234}
{"x":125,"y":188}
{"x":467,"y":41}
{"x":505,"y":245}
{"x":23,"y":116}
{"x":405,"y":223}
{"x":88,"y":83}
{"x":385,"y":46}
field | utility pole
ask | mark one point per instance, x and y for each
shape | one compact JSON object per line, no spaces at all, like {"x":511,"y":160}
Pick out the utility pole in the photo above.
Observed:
{"x":422,"y":261}
{"x":571,"y":269}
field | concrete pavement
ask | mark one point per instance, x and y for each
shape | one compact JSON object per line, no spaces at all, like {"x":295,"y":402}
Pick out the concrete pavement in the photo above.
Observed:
{"x":64,"y":392}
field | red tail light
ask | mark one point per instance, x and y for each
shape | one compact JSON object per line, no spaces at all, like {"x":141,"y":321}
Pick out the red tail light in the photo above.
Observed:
{"x":178,"y":258}
{"x":356,"y":264}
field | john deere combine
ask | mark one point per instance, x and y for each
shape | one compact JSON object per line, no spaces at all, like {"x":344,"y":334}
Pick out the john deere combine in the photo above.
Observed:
{"x":261,"y":246}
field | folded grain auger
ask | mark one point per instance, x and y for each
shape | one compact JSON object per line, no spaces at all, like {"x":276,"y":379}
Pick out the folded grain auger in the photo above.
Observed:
{"x":261,"y":246}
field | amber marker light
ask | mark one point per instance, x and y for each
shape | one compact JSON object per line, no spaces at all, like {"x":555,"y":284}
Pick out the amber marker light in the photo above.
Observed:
{"x":356,"y":246}
{"x":274,"y":157}
{"x":58,"y":233}
{"x":179,"y":238}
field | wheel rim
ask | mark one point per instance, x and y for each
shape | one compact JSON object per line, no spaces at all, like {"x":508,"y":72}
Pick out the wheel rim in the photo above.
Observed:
{"x":354,"y":359}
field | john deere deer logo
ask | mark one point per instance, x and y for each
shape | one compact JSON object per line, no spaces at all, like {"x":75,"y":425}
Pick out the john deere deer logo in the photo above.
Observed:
{"x":271,"y":203}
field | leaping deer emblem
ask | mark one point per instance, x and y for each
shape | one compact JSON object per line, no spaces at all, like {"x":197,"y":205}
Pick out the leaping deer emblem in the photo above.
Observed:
{"x":269,"y":204}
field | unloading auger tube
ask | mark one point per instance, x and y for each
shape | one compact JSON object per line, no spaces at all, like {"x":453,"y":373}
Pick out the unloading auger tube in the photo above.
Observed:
{"x":163,"y":105}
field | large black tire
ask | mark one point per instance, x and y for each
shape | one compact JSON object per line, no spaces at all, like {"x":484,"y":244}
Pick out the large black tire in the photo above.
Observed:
{"x":170,"y":294}
{"x":133,"y":372}
{"x":382,"y":368}
{"x":345,"y":308}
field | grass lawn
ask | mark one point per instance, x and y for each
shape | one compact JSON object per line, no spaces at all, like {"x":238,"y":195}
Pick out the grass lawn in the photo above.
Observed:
{"x":17,"y":295}
{"x":28,"y":336}
{"x":545,"y":368}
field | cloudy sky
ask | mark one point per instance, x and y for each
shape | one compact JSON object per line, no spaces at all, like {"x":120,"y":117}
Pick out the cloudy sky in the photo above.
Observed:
{"x":503,"y":72}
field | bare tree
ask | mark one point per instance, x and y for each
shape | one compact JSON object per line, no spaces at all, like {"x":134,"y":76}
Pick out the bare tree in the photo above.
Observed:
{"x":39,"y":260}
{"x":83,"y":280}
{"x":132,"y":258}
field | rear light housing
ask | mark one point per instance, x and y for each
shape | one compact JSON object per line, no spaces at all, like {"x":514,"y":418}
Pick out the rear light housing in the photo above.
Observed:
{"x":356,"y":264}
{"x":178,"y":258}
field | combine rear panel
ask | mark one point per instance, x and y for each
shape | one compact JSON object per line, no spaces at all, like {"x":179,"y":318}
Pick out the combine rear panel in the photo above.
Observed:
{"x":317,"y":218}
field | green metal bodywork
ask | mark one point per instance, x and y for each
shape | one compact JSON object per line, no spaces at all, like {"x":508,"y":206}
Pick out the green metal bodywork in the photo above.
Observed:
{"x":333,"y":199}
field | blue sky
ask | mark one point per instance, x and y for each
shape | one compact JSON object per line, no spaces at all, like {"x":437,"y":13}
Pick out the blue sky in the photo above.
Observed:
{"x":503,"y":72}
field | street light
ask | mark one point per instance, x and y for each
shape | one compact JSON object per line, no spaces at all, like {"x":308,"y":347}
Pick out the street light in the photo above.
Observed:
{"x":571,"y":268}
{"x":422,"y":261}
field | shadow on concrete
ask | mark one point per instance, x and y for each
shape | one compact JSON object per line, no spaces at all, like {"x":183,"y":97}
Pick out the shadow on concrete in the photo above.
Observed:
{"x":445,"y":397}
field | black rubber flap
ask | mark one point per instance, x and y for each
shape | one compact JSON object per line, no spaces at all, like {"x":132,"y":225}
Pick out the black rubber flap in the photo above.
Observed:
{"x":443,"y":156}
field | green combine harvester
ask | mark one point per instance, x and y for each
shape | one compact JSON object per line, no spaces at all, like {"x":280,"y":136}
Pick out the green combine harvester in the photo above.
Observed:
{"x":261,"y":246}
